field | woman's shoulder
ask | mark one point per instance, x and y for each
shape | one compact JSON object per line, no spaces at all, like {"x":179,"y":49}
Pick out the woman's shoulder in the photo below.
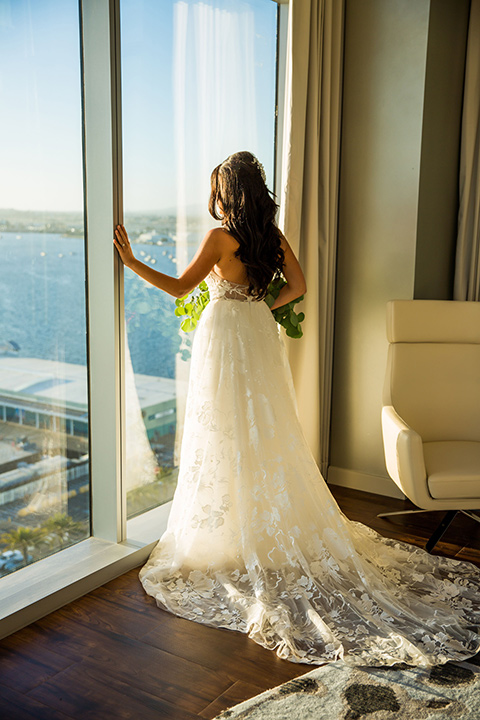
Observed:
{"x":217,"y":240}
{"x":221,"y":234}
{"x":223,"y":240}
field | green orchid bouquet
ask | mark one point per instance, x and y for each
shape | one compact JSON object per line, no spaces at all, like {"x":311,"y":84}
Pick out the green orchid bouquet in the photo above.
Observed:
{"x":190,"y":308}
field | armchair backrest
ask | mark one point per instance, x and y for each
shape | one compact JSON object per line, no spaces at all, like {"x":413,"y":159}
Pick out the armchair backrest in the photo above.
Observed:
{"x":433,"y":369}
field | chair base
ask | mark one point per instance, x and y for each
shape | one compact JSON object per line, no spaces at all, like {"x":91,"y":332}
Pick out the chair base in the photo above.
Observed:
{"x":447,"y":520}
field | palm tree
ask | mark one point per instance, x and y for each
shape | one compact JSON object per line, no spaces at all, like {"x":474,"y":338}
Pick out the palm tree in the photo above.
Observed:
{"x":23,"y":538}
{"x":60,"y":526}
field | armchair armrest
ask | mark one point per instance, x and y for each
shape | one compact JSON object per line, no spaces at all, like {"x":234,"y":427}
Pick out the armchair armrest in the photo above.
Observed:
{"x":404,"y":458}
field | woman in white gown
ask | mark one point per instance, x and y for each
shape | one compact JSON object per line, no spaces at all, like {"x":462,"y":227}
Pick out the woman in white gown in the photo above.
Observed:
{"x":255,"y":541}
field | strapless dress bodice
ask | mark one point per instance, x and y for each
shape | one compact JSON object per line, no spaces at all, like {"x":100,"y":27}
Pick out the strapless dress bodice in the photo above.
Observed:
{"x":222,"y":289}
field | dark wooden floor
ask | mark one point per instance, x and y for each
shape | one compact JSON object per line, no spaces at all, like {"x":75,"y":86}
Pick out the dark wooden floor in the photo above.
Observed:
{"x":114,"y":654}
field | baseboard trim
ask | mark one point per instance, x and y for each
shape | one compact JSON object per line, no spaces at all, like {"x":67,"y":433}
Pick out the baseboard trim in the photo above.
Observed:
{"x":377,"y":484}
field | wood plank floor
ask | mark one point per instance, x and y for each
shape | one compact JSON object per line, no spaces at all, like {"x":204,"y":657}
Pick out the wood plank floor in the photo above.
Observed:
{"x":114,"y":654}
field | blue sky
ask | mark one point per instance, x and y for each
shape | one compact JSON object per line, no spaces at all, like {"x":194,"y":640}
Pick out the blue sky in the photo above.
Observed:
{"x":40,"y":123}
{"x":198,"y":84}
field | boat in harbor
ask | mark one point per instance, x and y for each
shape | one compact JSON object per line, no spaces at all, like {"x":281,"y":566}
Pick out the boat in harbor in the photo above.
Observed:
{"x":8,"y":346}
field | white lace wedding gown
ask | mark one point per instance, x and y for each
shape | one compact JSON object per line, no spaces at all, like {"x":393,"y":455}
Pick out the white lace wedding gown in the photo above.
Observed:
{"x":255,"y":541}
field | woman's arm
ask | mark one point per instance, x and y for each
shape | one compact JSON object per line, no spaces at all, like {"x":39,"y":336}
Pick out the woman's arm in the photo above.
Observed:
{"x":207,"y":255}
{"x":293,"y":274}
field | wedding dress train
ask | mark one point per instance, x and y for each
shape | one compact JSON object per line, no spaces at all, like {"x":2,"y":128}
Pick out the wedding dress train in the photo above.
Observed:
{"x":255,"y":541}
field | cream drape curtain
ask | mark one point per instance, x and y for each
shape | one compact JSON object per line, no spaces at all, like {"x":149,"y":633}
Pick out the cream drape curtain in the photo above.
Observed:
{"x":467,"y":267}
{"x":309,"y":198}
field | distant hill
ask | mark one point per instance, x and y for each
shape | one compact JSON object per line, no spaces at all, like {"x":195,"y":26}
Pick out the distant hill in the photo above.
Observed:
{"x":162,"y":222}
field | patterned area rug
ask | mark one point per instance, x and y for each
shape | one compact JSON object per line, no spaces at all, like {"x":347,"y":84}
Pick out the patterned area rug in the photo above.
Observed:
{"x":339,"y":692}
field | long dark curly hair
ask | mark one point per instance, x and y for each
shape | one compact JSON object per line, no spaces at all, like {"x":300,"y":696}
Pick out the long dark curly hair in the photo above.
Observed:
{"x":248,"y":213}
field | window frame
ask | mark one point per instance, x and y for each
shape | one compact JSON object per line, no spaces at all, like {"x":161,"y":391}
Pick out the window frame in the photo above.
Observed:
{"x":115,"y":545}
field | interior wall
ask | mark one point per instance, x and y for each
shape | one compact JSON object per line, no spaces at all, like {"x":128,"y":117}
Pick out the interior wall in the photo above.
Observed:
{"x":387,"y":164}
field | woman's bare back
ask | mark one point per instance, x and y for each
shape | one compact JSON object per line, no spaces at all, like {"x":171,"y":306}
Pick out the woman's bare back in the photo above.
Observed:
{"x":228,"y":266}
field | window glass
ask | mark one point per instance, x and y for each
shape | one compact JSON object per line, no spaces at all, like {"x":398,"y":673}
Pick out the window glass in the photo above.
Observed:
{"x":198,"y":84}
{"x":44,"y":478}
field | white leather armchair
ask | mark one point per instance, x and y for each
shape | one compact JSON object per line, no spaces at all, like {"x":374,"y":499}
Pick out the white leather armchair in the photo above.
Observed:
{"x":431,"y":406}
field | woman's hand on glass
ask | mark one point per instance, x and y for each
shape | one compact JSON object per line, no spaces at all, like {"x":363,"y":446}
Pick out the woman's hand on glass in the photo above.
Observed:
{"x":122,"y":243}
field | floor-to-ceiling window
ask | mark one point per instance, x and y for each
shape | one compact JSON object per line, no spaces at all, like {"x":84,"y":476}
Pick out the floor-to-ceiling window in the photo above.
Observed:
{"x":90,"y":426}
{"x":44,"y":449}
{"x":198,"y":83}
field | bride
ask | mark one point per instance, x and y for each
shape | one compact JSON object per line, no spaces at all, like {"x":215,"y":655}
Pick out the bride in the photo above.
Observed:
{"x":255,"y":542}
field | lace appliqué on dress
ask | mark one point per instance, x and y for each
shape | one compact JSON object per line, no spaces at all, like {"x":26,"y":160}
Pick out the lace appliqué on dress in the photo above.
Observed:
{"x":222,"y":289}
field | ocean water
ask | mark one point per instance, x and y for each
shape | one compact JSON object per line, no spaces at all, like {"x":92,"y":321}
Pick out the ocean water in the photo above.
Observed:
{"x":42,"y":302}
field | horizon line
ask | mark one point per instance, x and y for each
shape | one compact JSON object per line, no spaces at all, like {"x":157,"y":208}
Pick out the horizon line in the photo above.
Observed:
{"x":165,"y":211}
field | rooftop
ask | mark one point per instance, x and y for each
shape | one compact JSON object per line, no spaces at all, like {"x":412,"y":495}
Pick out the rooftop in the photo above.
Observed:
{"x":60,"y":383}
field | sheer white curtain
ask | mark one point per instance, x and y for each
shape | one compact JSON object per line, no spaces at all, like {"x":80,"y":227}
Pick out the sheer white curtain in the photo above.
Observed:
{"x":214,"y":101}
{"x":467,"y":268}
{"x":309,"y":198}
{"x":215,"y":115}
